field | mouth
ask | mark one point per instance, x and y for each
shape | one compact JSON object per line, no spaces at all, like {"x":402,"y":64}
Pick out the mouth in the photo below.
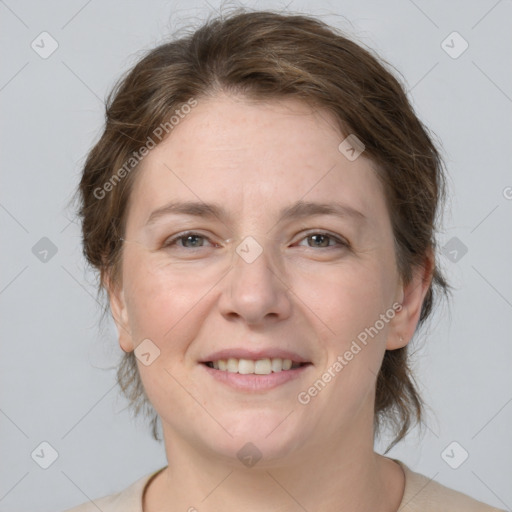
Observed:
{"x":255,"y":371}
{"x":264,"y":366}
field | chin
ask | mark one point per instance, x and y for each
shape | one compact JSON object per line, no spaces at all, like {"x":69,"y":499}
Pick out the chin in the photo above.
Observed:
{"x":259,"y":437}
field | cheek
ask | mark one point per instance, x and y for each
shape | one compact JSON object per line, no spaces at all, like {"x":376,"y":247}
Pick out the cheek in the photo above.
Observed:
{"x":348,"y":303}
{"x":161,"y":302}
{"x":347,"y":298}
{"x":163,"y":308}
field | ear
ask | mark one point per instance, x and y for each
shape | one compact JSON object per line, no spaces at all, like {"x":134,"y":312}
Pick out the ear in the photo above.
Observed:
{"x":119,"y":312}
{"x":413,"y":294}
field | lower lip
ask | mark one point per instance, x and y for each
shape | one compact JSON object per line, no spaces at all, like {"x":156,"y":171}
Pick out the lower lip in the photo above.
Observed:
{"x":253,"y":382}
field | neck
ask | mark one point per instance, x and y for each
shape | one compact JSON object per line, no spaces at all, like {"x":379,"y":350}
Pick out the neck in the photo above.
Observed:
{"x":341,"y":474}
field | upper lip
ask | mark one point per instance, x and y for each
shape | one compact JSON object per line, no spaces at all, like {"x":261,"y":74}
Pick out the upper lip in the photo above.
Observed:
{"x":243,"y":353}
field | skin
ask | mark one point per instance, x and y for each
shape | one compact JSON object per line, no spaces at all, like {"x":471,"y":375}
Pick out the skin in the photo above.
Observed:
{"x":256,"y":158}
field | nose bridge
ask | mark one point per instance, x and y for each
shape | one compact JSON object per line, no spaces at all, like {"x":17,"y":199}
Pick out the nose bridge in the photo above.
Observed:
{"x":255,"y":287}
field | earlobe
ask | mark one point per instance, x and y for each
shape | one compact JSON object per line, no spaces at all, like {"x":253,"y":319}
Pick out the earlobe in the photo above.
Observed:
{"x":119,"y":313}
{"x":406,"y":320}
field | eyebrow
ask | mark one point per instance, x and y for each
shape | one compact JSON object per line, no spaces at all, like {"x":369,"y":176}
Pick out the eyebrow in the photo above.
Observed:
{"x":298,"y":210}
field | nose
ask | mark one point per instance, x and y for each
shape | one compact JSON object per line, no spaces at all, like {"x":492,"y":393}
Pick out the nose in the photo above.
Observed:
{"x":255,"y":289}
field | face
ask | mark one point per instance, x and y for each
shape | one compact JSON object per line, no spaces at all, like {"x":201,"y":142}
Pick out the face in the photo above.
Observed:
{"x":261,"y":280}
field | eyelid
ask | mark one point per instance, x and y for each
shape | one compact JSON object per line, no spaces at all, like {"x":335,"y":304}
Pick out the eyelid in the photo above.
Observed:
{"x":341,"y":240}
{"x":173,"y":239}
{"x":182,"y":235}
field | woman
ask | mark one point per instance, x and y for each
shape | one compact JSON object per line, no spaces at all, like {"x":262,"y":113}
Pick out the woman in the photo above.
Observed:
{"x":262,"y":208}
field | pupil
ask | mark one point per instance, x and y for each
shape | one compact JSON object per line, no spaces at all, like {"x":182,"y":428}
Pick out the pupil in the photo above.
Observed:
{"x":193,"y":237}
{"x":323,"y":236}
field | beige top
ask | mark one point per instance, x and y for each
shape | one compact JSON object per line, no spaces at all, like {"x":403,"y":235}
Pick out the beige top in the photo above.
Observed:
{"x":421,"y":494}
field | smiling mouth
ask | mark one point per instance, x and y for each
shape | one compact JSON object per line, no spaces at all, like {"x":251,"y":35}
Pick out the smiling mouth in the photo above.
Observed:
{"x":264,"y":366}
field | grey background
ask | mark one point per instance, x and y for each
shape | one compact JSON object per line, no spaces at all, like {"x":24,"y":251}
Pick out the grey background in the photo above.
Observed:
{"x":56,"y":370}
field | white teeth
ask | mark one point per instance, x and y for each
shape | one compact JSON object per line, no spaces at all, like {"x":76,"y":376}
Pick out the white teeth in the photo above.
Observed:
{"x":258,"y":367}
{"x":245,"y":366}
{"x":232,"y":365}
{"x":262,"y":367}
{"x":277,"y":364}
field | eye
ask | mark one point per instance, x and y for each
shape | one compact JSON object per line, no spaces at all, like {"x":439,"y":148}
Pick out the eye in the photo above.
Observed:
{"x":196,"y":240}
{"x":321,"y":240}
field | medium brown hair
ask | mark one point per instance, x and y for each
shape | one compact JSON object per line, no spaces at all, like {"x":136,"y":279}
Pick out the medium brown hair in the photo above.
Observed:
{"x":267,"y":55}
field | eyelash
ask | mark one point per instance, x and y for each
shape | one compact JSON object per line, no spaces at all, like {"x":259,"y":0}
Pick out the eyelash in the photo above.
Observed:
{"x":182,"y":236}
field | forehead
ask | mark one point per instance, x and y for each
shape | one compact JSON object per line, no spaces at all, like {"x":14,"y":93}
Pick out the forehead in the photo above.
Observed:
{"x":254,"y":154}
{"x":232,"y":128}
